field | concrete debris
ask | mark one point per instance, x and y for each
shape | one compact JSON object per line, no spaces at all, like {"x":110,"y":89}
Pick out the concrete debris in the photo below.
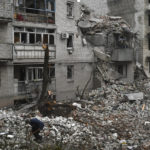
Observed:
{"x":135,"y":96}
{"x":106,"y":122}
{"x":101,"y":55}
{"x":113,"y":42}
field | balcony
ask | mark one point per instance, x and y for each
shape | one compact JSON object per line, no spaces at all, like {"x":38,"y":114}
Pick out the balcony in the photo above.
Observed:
{"x":32,"y":52}
{"x":35,"y":18}
{"x":37,"y":11}
{"x":5,"y":12}
{"x":6,"y":51}
{"x":125,"y":54}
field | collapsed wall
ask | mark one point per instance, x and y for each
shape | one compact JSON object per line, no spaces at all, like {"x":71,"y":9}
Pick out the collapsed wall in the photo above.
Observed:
{"x":114,"y":45}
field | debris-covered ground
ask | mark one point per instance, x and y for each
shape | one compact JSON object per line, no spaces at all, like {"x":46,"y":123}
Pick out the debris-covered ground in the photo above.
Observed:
{"x":112,"y":118}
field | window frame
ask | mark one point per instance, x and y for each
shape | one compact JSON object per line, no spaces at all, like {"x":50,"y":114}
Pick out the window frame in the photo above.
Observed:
{"x":35,"y":70}
{"x":72,"y":36}
{"x":36,"y":33}
{"x":69,"y":4}
{"x":70,"y":70}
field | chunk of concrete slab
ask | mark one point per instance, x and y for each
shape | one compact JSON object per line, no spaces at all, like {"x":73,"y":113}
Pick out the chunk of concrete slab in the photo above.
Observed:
{"x":135,"y":96}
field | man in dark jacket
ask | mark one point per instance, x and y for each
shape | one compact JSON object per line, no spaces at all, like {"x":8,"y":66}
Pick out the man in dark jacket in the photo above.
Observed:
{"x":37,"y":126}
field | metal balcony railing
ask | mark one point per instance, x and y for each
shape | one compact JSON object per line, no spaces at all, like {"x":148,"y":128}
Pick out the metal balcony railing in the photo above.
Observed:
{"x":38,"y":16}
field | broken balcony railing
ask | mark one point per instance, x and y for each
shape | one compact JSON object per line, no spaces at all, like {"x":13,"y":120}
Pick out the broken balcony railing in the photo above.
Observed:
{"x":34,"y":15}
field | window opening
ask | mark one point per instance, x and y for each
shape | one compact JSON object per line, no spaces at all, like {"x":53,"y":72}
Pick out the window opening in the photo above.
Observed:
{"x":45,"y":38}
{"x":70,"y":41}
{"x":29,"y":74}
{"x":69,"y":72}
{"x":35,"y":73}
{"x":30,"y":29}
{"x":50,"y":5}
{"x":20,"y":73}
{"x":70,"y":9}
{"x":23,"y":37}
{"x":51,"y":39}
{"x":19,"y":29}
{"x":120,"y":69}
{"x":40,"y":30}
{"x":40,"y":73}
{"x":16,"y":37}
{"x":38,"y":38}
{"x":31,"y":38}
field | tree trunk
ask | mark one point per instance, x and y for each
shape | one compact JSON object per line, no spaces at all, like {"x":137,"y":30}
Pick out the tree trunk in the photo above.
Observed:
{"x":42,"y":98}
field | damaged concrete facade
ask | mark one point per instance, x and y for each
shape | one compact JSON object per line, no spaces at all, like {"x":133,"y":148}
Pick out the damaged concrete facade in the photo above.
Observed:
{"x":136,"y":13}
{"x":31,"y":24}
{"x":112,"y":36}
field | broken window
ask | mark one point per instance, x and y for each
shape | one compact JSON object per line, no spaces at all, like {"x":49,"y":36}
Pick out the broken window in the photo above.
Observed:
{"x":70,"y":9}
{"x":31,"y":38}
{"x":121,"y":41}
{"x":70,"y":42}
{"x":122,"y":70}
{"x":70,"y":71}
{"x":23,"y":37}
{"x":16,"y":37}
{"x":51,"y":39}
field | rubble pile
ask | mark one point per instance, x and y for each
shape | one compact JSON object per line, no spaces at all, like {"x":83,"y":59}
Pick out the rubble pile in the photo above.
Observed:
{"x":114,"y":117}
{"x":91,"y":24}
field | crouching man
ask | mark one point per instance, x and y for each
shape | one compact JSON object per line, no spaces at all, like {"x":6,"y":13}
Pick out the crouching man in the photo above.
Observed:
{"x":37,"y":126}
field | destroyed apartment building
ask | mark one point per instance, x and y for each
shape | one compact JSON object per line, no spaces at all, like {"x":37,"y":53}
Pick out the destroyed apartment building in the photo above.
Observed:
{"x":113,"y":43}
{"x":25,"y":25}
{"x":82,"y":49}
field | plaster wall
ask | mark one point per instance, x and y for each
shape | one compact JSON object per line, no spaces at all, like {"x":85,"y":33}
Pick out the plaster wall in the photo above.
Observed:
{"x":6,"y":84}
{"x":99,"y":7}
{"x":81,"y":58}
